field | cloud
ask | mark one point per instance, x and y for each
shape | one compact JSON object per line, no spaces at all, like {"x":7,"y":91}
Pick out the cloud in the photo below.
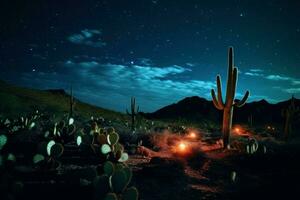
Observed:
{"x":292,"y":90}
{"x":111,"y":85}
{"x":276,"y":77}
{"x":89,"y":37}
{"x":279,"y":78}
{"x":256,"y":70}
{"x":273,"y":77}
{"x":144,"y":61}
{"x":190,"y":64}
{"x":296,"y":82}
{"x":253,"y":74}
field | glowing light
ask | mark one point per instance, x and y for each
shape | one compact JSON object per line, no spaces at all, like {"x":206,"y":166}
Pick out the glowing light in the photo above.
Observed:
{"x":182,"y":146}
{"x":237,"y":130}
{"x":192,"y":135}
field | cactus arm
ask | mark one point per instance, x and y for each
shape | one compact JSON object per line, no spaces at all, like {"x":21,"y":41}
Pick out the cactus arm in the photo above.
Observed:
{"x":243,"y":101}
{"x":215,"y":101}
{"x":219,"y":85}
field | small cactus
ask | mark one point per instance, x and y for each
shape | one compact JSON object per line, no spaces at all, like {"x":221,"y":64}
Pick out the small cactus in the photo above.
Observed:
{"x":289,"y":114}
{"x":133,"y":113}
{"x":71,"y":104}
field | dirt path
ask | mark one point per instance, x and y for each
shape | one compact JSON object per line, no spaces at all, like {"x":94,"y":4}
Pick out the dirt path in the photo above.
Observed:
{"x":218,"y":174}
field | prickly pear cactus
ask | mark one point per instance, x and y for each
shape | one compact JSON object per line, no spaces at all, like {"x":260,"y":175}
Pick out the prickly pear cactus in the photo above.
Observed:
{"x":48,"y":154}
{"x":62,"y":131}
{"x":113,"y":184}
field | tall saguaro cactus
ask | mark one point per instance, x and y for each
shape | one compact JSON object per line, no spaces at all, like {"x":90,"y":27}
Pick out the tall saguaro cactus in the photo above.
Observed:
{"x":230,"y":103}
{"x":133,"y":113}
{"x":71,"y":103}
{"x":289,"y":114}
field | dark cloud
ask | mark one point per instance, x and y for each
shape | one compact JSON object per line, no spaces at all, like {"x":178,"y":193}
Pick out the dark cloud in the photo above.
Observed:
{"x":89,"y":37}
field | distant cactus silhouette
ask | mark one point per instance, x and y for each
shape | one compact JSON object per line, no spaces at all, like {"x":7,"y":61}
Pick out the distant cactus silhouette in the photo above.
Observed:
{"x":229,"y":104}
{"x":250,"y":120}
{"x":72,"y":103}
{"x":289,"y":114}
{"x":133,"y":113}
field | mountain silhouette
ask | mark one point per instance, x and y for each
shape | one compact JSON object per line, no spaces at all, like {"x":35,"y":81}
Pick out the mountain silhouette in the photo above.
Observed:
{"x":195,"y":109}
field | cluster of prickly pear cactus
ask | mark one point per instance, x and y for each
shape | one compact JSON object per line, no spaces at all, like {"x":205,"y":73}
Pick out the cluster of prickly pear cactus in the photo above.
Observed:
{"x":48,"y":153}
{"x":252,"y":147}
{"x":133,"y":114}
{"x":104,"y":142}
{"x":6,"y":159}
{"x":61,"y":132}
{"x":109,"y":145}
{"x":9,"y":184}
{"x":230,"y":102}
{"x":289,"y":114}
{"x":21,"y":124}
{"x":113,"y":183}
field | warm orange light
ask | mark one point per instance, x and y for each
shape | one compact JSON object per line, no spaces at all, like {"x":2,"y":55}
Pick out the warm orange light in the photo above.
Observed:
{"x":192,"y":135}
{"x":182,"y":146}
{"x":237,"y":130}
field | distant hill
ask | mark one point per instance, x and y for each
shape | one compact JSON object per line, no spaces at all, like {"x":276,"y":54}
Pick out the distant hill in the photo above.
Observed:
{"x":15,"y":100}
{"x":196,"y":109}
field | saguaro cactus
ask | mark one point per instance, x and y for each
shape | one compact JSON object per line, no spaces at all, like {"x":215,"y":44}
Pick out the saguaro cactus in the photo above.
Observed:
{"x":289,"y":114}
{"x":229,"y":104}
{"x":133,"y":113}
{"x":71,"y":103}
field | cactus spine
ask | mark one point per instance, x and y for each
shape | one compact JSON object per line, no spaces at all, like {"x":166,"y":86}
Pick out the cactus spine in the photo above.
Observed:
{"x":72,"y":103}
{"x":289,"y":114}
{"x":229,"y":104}
{"x":133,"y":113}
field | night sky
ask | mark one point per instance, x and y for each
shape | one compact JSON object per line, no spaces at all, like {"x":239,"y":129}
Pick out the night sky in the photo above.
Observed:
{"x":159,"y":51}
